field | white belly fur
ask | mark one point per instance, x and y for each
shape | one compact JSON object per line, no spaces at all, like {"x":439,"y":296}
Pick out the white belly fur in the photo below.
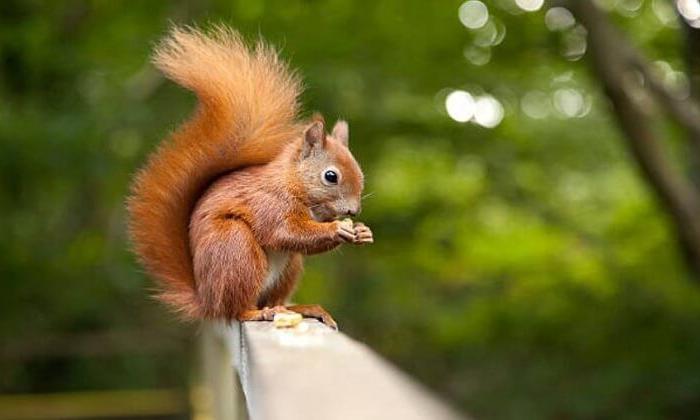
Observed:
{"x":276,"y":263}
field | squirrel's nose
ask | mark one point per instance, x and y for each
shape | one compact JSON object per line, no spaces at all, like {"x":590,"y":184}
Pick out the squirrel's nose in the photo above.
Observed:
{"x":352,"y":212}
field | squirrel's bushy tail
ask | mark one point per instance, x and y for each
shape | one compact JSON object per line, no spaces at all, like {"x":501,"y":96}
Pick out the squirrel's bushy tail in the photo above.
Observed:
{"x":248,"y":104}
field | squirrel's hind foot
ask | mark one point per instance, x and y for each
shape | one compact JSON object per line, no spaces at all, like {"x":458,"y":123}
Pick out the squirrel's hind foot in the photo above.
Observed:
{"x":307,"y":311}
{"x":314,"y":311}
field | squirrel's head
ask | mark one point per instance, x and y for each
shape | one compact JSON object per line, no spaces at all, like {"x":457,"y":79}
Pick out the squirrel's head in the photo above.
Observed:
{"x":332,"y":180}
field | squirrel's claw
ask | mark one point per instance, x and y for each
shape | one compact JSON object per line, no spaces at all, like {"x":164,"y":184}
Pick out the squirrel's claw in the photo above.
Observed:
{"x":314,"y":311}
{"x":363,"y":234}
{"x":307,"y":311}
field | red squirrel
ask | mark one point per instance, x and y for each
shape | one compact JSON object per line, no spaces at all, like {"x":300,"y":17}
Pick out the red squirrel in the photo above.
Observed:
{"x":224,"y":210}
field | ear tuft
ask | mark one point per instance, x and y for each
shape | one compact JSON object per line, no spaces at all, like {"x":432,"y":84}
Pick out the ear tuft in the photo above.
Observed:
{"x":318,"y":117}
{"x":341,"y":132}
{"x":314,"y":137}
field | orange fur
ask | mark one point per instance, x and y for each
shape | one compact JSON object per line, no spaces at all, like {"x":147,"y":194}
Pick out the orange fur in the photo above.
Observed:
{"x":254,"y":211}
{"x":223,"y":210}
{"x":248,"y":105}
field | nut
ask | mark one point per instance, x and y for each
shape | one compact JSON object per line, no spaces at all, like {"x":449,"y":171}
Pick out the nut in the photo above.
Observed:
{"x":286,"y":319}
{"x":348,"y":223}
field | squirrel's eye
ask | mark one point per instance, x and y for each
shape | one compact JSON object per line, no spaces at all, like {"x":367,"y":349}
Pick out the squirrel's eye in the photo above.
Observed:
{"x":331,"y":177}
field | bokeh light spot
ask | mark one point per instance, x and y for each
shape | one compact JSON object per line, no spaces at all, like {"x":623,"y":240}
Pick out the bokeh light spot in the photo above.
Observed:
{"x":529,"y":5}
{"x":628,"y":8}
{"x":477,"y":55}
{"x":575,"y":43}
{"x":689,"y":9}
{"x":473,"y":14}
{"x":536,"y":104}
{"x":559,"y":19}
{"x":569,"y":102}
{"x":663,"y":11}
{"x":489,"y":111}
{"x":460,"y":105}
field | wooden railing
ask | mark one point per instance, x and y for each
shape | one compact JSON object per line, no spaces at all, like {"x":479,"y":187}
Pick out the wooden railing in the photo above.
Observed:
{"x":254,"y":370}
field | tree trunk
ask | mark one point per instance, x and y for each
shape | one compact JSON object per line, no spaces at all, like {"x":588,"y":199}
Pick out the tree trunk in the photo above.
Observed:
{"x":614,"y":61}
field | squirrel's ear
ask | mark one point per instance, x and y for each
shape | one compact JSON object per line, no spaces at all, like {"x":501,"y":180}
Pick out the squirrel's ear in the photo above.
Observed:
{"x":314,"y":137}
{"x":341,"y":132}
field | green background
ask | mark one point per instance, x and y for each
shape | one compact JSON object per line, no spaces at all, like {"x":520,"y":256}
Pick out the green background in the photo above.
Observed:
{"x":523,"y":271}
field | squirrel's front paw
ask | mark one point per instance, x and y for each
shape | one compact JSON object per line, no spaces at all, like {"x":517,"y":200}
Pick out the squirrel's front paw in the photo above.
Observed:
{"x":363,"y":234}
{"x":344,"y":231}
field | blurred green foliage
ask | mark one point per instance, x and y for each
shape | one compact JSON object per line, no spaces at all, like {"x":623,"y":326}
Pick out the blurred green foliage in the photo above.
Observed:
{"x":523,"y":271}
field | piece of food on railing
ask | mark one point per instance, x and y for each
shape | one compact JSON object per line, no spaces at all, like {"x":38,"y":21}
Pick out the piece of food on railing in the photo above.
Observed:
{"x":286,"y":319}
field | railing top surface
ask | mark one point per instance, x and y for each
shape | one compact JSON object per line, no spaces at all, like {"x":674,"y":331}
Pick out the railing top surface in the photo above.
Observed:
{"x":313,"y":372}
